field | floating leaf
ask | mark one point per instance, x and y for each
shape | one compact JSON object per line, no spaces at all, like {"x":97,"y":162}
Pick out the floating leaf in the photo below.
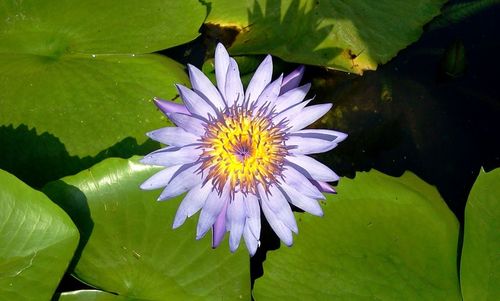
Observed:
{"x":480,"y":268}
{"x":380,"y":238}
{"x":78,"y":72}
{"x":37,"y":242}
{"x":128,"y":245}
{"x":351,"y":36}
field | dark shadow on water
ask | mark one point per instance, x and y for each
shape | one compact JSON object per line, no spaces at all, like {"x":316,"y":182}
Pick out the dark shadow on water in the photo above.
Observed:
{"x":39,"y":158}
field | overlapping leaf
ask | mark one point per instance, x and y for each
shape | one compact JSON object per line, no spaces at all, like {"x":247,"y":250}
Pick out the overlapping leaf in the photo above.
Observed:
{"x":37,"y":241}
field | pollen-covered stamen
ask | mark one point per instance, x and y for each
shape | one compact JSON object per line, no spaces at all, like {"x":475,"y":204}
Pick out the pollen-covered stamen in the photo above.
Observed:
{"x":244,"y":148}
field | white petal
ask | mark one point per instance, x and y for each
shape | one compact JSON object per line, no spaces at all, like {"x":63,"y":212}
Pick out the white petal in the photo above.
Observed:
{"x":308,"y":115}
{"x":270,"y":94}
{"x":192,"y":203}
{"x":260,"y":79}
{"x":311,"y":168}
{"x":204,"y":86}
{"x":234,"y":87}
{"x":160,"y":179}
{"x":250,"y":241}
{"x":236,"y":219}
{"x":182,"y":180}
{"x":277,"y":225}
{"x":189,"y":123}
{"x":297,"y":180}
{"x":291,"y":113}
{"x":328,"y":135}
{"x":175,"y":136}
{"x":221,"y":66}
{"x":194,"y":103}
{"x":211,"y":210}
{"x":303,"y":202}
{"x":291,"y":98}
{"x":279,"y":205}
{"x":253,"y":214}
{"x":304,"y":146}
{"x":173,"y":155}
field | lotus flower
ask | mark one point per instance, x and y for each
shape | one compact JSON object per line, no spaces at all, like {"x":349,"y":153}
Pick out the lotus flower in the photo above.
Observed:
{"x":236,"y":152}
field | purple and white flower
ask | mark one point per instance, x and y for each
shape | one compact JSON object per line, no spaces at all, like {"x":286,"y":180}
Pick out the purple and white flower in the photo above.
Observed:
{"x":236,"y":152}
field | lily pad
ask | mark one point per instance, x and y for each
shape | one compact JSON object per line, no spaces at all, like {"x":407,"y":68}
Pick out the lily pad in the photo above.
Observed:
{"x":37,"y":242}
{"x":79,"y":72}
{"x":128,"y":244}
{"x":351,"y":36}
{"x":381,"y":238}
{"x":480,"y":267}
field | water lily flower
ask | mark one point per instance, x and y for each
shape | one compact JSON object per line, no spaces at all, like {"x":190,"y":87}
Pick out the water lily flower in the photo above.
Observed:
{"x":237,"y":151}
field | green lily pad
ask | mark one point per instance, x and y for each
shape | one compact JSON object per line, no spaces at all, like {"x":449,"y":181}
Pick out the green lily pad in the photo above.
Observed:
{"x":351,"y":36}
{"x":92,"y":295}
{"x":480,"y":267}
{"x":128,"y":245}
{"x":381,"y":238}
{"x":37,"y":242}
{"x":78,"y":72}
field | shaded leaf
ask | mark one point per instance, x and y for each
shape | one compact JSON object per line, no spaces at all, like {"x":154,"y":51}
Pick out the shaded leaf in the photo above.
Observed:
{"x":351,"y":36}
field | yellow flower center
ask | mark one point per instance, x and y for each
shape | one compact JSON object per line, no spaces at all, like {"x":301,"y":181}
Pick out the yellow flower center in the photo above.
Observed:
{"x":244,"y":149}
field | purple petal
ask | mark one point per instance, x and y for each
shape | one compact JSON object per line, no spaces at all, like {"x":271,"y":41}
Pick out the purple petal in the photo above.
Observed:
{"x":291,"y":97}
{"x":270,"y":93}
{"x":173,"y":155}
{"x":277,"y":225}
{"x":174,"y":136}
{"x":194,"y":103}
{"x":203,"y":85}
{"x":219,"y":227}
{"x":303,"y":202}
{"x":234,"y":87}
{"x":292,"y":80}
{"x":298,"y":181}
{"x":323,"y":186}
{"x":221,"y":66}
{"x":311,"y":168}
{"x":309,"y":115}
{"x":169,"y":106}
{"x":291,"y":113}
{"x":252,"y":210}
{"x":192,"y":203}
{"x":211,"y":210}
{"x":251,"y":241}
{"x":160,"y":179}
{"x":303,"y":146}
{"x":189,"y":123}
{"x":279,"y":205}
{"x":260,"y":79}
{"x":236,"y":218}
{"x":328,"y":135}
{"x":182,"y":180}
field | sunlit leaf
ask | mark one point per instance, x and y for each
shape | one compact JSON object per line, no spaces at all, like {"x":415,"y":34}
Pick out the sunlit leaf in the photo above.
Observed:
{"x":381,"y":238}
{"x":128,"y":245}
{"x":480,"y":267}
{"x":37,"y":242}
